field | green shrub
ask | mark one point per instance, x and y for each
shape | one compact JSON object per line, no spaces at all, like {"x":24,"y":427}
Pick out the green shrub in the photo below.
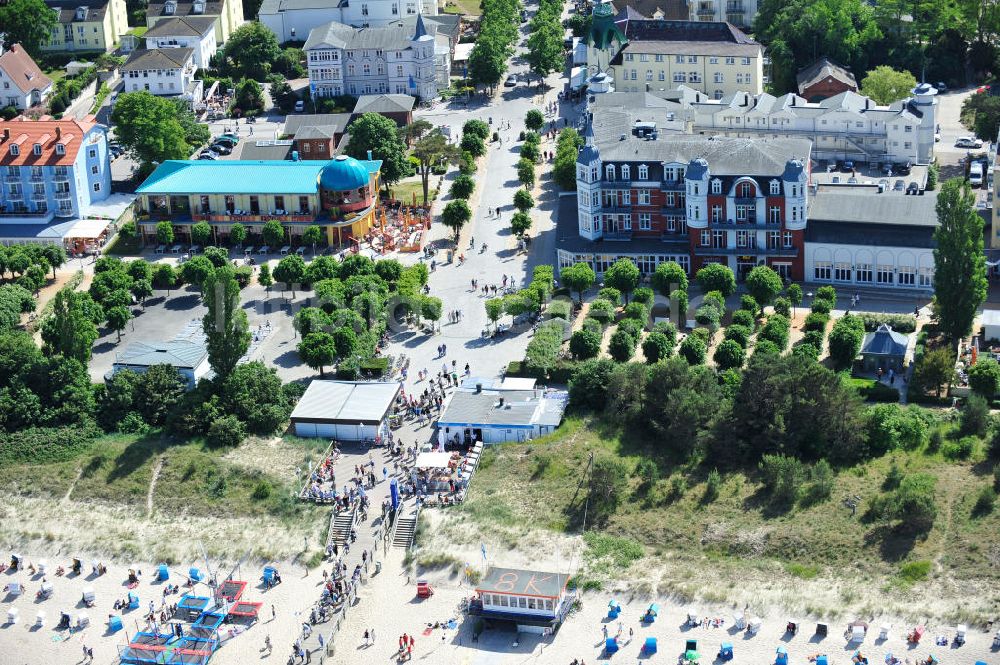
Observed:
{"x":782,"y":306}
{"x":693,"y":350}
{"x":749,"y":303}
{"x":262,"y":491}
{"x":585,"y":344}
{"x":739,"y":334}
{"x":821,"y":306}
{"x":644,"y":295}
{"x":559,"y":309}
{"x":729,"y":355}
{"x":914,"y":571}
{"x":744,"y":318}
{"x":227,"y":431}
{"x":985,"y":502}
{"x":713,"y":485}
{"x":611,"y":294}
{"x":827,"y":293}
{"x":902,"y":323}
{"x":806,"y":350}
{"x":958,"y":449}
{"x":621,"y":346}
{"x":631,"y":326}
{"x":975,"y":419}
{"x":817,"y":321}
{"x":707,"y":315}
{"x":637,"y":311}
{"x":814,"y":338}
{"x":602,"y":310}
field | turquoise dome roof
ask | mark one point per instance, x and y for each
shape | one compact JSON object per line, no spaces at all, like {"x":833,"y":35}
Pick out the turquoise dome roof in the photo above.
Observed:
{"x":342,"y":174}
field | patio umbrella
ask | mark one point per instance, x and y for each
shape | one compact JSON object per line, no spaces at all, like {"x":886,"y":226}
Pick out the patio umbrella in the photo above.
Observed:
{"x":691,"y":656}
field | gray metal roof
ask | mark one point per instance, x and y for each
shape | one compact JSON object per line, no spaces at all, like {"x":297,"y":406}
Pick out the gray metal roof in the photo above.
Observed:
{"x":265,"y":150}
{"x":157,"y":58}
{"x":294,"y":122}
{"x":384,"y":104}
{"x":179,"y":353}
{"x":866,"y":205}
{"x":320,"y":132}
{"x":182,"y":26}
{"x":725,"y":155}
{"x":484,"y":408}
{"x":276,"y":6}
{"x":184,"y":8}
{"x":885,"y":342}
{"x":394,"y":36}
{"x":345,"y":402}
{"x":871,"y":234}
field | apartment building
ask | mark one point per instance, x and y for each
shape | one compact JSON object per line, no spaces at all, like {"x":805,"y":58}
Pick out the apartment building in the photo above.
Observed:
{"x":655,"y":197}
{"x":409,"y":57}
{"x":167,"y":72}
{"x":295,"y":19}
{"x":87,"y":25}
{"x":738,"y":12}
{"x":194,"y":32}
{"x":641,"y":54}
{"x":51,"y":169}
{"x":847,"y":126}
{"x":228,"y":14}
{"x":22,"y":83}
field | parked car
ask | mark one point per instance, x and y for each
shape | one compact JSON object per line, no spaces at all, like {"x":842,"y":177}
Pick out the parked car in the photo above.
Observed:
{"x":222,"y":149}
{"x":903,"y":169}
{"x":899,"y":186}
{"x":883,"y":185}
{"x":226,"y":140}
{"x":116,"y":150}
{"x":968,"y":142}
{"x":228,"y":137}
{"x":941,"y":87}
{"x":510,"y":82}
{"x":208,"y":154}
{"x":300,"y":106}
{"x":913,"y":188}
{"x":847,"y":166}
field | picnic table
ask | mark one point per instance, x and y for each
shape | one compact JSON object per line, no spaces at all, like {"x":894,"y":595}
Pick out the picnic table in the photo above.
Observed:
{"x":264,"y":249}
{"x":161,"y":249}
{"x":195,"y":249}
{"x":176,"y":249}
{"x":284,"y":250}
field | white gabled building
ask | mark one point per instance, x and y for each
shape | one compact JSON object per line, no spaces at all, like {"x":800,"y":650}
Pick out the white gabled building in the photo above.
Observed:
{"x":410,"y":57}
{"x":22,"y":83}
{"x":168,"y":72}
{"x":194,"y":32}
{"x":295,"y":19}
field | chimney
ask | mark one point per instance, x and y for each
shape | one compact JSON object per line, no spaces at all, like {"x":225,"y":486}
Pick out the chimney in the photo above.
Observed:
{"x":369,"y":155}
{"x":6,"y":133}
{"x":58,"y":133}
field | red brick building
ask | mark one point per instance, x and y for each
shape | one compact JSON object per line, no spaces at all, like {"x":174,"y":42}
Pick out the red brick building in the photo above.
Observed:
{"x":823,"y":79}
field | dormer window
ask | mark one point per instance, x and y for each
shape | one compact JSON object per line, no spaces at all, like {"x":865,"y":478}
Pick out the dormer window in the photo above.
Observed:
{"x":626,"y":172}
{"x":775,"y":188}
{"x":609,"y":171}
{"x":745,"y":190}
{"x":15,"y":150}
{"x":716,"y":186}
{"x":37,"y":148}
{"x":643,"y":172}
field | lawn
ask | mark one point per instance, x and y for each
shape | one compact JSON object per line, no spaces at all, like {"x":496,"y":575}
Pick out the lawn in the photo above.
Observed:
{"x":405,"y":191}
{"x":466,"y":7}
{"x":740,"y":530}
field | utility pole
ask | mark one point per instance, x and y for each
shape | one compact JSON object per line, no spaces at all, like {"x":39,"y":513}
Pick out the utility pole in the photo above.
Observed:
{"x":590,"y":489}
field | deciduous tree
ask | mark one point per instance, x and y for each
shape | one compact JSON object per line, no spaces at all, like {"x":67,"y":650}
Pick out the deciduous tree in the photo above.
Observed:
{"x":886,"y":85}
{"x":225,"y":323}
{"x":379,"y":134}
{"x":28,"y":23}
{"x":959,"y":263}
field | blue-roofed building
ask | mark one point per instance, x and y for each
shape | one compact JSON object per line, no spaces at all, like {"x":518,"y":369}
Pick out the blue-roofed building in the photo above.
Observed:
{"x":339,"y":195}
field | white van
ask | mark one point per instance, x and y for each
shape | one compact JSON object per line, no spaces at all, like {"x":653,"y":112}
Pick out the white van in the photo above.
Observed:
{"x":976,"y":174}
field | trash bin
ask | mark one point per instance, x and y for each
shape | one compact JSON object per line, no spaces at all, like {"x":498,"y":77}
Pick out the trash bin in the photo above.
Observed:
{"x":378,"y":567}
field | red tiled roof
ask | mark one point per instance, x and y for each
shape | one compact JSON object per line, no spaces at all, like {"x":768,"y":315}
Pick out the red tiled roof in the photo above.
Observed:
{"x":23,"y":71}
{"x":26,"y":133}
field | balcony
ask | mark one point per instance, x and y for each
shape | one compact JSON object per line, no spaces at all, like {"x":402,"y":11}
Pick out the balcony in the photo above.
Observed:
{"x":730,"y":224}
{"x":232,"y":218}
{"x":735,"y":7}
{"x":749,"y":251}
{"x":674,"y":238}
{"x":12,"y":177}
{"x":37,"y":177}
{"x":617,"y":235}
{"x":706,"y":9}
{"x":616,"y":210}
{"x":38,"y":196}
{"x":745,"y":200}
{"x":672,"y":185}
{"x":60,"y":177}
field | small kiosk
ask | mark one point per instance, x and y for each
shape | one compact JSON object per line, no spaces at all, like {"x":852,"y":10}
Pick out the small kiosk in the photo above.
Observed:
{"x":535,"y":601}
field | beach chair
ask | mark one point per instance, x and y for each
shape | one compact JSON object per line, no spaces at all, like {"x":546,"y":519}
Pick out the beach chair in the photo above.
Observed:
{"x":883,"y":631}
{"x":424,"y":589}
{"x":45,"y":591}
{"x":822,"y":630}
{"x":651,"y":613}
{"x":792,"y":626}
{"x":916,"y":634}
{"x":76,"y":567}
{"x":40,"y":619}
{"x":691,"y":645}
{"x":960,"y":631}
{"x":43,"y":567}
{"x":781,"y":657}
{"x":996,"y":640}
{"x":15,"y":589}
{"x":162,"y":572}
{"x":693,"y":617}
{"x":857,"y":634}
{"x":13,"y":615}
{"x":114,"y":623}
{"x":753,"y":627}
{"x":82,"y":620}
{"x":89,"y":598}
{"x":610,"y":645}
{"x":133,"y":600}
{"x":726,"y":651}
{"x":16,"y":561}
{"x":740,"y":621}
{"x":822,"y":660}
{"x":649,"y":646}
{"x":194,"y":574}
{"x":65,"y":621}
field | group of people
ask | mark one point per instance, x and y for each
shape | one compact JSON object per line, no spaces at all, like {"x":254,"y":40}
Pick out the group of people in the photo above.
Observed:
{"x":406,"y":643}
